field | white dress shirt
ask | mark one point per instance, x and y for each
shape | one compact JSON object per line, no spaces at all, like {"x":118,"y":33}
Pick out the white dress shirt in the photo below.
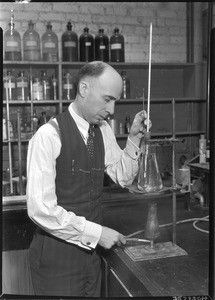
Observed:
{"x":44,"y":147}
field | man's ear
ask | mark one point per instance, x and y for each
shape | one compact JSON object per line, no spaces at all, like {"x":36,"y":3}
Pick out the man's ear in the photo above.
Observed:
{"x":83,"y":88}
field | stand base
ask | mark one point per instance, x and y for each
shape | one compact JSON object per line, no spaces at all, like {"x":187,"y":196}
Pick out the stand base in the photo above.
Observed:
{"x":160,"y":250}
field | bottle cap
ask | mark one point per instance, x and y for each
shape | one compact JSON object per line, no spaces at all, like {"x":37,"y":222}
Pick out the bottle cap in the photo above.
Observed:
{"x":202,"y":136}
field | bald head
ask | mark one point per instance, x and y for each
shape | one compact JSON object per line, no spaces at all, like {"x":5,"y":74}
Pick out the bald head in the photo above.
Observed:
{"x":96,"y":69}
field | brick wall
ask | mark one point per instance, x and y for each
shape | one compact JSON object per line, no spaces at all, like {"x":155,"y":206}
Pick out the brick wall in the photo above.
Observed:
{"x":132,"y":18}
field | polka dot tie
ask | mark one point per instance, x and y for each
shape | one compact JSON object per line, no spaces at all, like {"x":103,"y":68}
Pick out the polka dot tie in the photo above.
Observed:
{"x":90,"y":145}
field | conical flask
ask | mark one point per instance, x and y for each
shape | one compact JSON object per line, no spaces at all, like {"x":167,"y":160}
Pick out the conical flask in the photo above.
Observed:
{"x":151,"y":231}
{"x":149,"y":179}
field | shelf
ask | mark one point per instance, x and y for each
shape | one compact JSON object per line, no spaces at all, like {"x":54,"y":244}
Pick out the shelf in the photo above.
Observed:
{"x":27,"y":63}
{"x":39,"y":102}
{"x":160,"y":100}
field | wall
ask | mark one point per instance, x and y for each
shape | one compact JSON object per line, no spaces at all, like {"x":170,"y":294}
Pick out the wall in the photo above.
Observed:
{"x":132,"y":18}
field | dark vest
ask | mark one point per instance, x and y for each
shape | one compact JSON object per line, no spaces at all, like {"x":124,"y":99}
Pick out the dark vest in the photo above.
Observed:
{"x":79,"y":179}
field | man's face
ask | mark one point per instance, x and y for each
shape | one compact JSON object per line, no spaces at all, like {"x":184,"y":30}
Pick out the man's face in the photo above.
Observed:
{"x":101,"y":94}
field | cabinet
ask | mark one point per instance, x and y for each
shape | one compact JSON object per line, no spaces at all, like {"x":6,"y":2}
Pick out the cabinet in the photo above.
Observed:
{"x":185,"y":82}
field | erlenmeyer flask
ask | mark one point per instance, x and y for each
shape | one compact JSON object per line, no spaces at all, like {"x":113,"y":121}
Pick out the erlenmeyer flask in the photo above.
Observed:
{"x":149,"y":179}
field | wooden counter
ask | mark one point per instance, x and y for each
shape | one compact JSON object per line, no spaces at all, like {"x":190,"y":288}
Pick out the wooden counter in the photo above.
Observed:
{"x":126,"y":213}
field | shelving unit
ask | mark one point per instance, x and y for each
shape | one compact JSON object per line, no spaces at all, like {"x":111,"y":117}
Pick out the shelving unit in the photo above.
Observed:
{"x":185,"y":82}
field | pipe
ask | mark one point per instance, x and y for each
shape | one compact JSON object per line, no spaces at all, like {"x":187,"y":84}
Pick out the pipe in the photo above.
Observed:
{"x":209,"y":57}
{"x":19,"y":153}
{"x":190,"y":32}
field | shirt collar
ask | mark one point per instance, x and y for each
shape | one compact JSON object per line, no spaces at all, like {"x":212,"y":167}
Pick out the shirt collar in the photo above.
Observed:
{"x":82,"y":124}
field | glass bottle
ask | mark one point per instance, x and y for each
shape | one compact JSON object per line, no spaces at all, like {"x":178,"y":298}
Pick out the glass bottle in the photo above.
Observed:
{"x":202,"y":149}
{"x":126,"y":86}
{"x":43,"y":119}
{"x":54,"y":87}
{"x":10,"y":85}
{"x":149,"y":179}
{"x":101,"y":46}
{"x":68,"y":87}
{"x":31,"y":43}
{"x":22,"y":88}
{"x":46,"y":86}
{"x":208,"y":151}
{"x":117,"y":52}
{"x":127,"y":124}
{"x":86,"y":43}
{"x":49,"y":44}
{"x":69,"y":44}
{"x":12,"y":43}
{"x":37,"y":89}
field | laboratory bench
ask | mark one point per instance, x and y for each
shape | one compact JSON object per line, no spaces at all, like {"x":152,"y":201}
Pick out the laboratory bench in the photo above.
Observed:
{"x":122,"y":277}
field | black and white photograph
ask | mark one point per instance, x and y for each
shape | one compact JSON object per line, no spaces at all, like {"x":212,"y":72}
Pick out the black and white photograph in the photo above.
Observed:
{"x":108,"y":151}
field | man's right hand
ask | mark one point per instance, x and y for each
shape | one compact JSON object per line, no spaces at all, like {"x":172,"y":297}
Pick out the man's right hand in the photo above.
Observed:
{"x":110,"y":237}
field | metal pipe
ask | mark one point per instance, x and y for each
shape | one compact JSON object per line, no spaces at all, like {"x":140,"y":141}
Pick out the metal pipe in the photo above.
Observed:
{"x":173,"y":177}
{"x":8,"y":135}
{"x":210,"y":18}
{"x":190,"y":32}
{"x":19,"y":154}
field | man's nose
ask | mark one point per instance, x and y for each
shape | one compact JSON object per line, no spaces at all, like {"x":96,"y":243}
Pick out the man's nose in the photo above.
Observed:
{"x":110,"y":107}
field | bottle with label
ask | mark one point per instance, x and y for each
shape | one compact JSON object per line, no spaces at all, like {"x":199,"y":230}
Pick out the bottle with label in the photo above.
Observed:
{"x":10,"y":85}
{"x":208,"y":151}
{"x":127,"y":124}
{"x":68,"y":87}
{"x":54,"y":87}
{"x":117,"y":47}
{"x":22,"y":88}
{"x":126,"y":86}
{"x":102,"y":46}
{"x":31,"y":43}
{"x":46,"y":86}
{"x":49,"y":44}
{"x":69,"y":44}
{"x":86,"y":45}
{"x":37,"y":89}
{"x":202,"y":149}
{"x":12,"y":43}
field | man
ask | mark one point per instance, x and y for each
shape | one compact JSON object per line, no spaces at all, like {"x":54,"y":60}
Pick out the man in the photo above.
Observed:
{"x":65,"y":182}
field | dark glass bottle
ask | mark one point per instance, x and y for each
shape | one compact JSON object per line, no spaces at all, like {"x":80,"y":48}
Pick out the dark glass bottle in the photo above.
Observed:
{"x":46,"y":86}
{"x":12,"y":43}
{"x":22,"y":89}
{"x":49,"y":45}
{"x":117,"y":47}
{"x":86,"y":44}
{"x":126,"y":86}
{"x":54,"y":87}
{"x":10,"y":85}
{"x":31,"y":43}
{"x":69,"y":44}
{"x":101,"y":46}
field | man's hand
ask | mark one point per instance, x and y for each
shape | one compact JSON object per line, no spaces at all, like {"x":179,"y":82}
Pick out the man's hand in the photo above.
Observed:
{"x":138,"y":127}
{"x":110,"y":237}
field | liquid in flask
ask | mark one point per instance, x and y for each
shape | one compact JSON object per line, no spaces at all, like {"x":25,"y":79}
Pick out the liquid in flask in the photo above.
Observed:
{"x":149,"y":179}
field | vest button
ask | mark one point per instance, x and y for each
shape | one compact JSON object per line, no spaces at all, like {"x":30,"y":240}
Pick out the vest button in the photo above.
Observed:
{"x":88,"y":243}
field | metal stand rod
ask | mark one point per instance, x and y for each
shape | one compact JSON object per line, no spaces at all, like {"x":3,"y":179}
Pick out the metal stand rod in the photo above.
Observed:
{"x":173,"y":177}
{"x":19,"y":153}
{"x":8,"y":135}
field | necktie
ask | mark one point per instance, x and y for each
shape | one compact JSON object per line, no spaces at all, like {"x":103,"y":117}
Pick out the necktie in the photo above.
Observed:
{"x":90,"y":145}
